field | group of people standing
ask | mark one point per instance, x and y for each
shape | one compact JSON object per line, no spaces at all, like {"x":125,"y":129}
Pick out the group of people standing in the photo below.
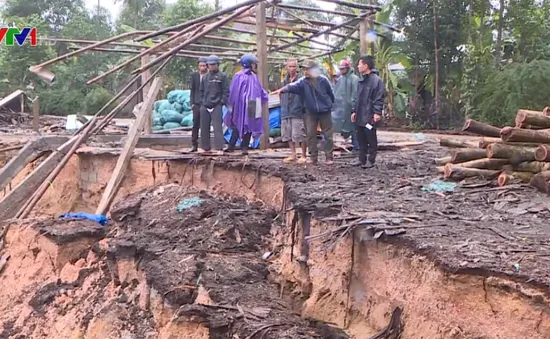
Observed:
{"x":243,"y":97}
{"x":308,"y":100}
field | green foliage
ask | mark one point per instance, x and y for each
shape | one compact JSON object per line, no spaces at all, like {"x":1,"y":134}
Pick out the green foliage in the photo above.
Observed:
{"x":520,"y":85}
{"x":96,"y":99}
{"x":61,"y":102}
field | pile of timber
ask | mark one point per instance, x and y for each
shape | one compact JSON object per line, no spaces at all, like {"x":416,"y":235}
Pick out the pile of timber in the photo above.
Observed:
{"x":509,"y":154}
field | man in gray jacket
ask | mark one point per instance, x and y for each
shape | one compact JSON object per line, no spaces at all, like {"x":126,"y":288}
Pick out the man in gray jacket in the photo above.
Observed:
{"x":344,"y":92}
{"x":367,"y":113}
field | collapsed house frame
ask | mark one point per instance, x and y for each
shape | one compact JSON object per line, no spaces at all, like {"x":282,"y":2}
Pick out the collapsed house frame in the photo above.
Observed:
{"x":186,"y":40}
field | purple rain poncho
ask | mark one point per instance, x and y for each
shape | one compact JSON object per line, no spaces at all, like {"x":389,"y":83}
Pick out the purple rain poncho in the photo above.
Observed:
{"x":245,"y":86}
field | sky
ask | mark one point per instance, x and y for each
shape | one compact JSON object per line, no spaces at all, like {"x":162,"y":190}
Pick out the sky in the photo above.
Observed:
{"x":115,"y":8}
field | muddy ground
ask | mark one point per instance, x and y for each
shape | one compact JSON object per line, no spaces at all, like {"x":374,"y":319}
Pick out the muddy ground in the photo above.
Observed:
{"x":195,"y":248}
{"x":203,"y":257}
{"x":478,"y":228}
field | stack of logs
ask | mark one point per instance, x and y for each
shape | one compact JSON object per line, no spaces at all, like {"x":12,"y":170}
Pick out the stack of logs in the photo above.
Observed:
{"x":511,"y":154}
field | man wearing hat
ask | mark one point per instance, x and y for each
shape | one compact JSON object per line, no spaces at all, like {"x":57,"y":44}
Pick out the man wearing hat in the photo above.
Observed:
{"x":344,"y":93}
{"x":246,"y":98}
{"x":196,"y":79}
{"x":318,"y":97}
{"x":214,"y":90}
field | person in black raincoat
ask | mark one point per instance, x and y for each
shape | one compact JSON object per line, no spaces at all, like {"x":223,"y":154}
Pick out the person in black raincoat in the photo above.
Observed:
{"x":366,"y":115}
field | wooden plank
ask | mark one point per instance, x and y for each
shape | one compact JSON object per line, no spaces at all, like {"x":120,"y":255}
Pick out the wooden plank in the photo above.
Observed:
{"x":261,"y":47}
{"x":36,"y":114}
{"x":126,"y":155}
{"x":27,"y":154}
{"x":11,"y":97}
{"x":10,"y":204}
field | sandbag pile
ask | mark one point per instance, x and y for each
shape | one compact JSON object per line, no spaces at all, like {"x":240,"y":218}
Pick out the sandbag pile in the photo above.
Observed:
{"x":173,"y":112}
{"x":510,"y":154}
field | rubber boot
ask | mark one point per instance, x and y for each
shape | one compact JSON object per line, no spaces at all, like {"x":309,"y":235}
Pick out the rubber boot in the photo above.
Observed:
{"x":245,"y":143}
{"x":232,"y":142}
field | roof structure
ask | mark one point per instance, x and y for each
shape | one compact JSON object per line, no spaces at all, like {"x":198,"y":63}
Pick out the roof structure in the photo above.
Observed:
{"x":275,"y":39}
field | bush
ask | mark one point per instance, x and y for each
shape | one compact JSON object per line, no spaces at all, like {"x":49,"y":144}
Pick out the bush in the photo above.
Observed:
{"x":96,"y":99}
{"x":60,"y":102}
{"x":520,"y":85}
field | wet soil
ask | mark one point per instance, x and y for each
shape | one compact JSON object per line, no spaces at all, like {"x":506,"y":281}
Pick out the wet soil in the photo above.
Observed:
{"x":207,"y":261}
{"x":478,"y":228}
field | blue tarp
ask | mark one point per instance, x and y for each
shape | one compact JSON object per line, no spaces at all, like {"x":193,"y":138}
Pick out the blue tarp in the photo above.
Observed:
{"x":101,"y":219}
{"x":274,"y":122}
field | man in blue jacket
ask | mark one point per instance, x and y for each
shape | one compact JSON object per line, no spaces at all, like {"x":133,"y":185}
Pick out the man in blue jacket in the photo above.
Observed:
{"x":318,"y":97}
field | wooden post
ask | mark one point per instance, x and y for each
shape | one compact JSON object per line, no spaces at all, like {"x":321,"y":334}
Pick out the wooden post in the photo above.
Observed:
{"x":36,"y":114}
{"x":370,"y":28}
{"x":22,"y":102}
{"x":144,"y":77}
{"x":261,"y":47}
{"x":363,"y":36}
{"x":128,"y":150}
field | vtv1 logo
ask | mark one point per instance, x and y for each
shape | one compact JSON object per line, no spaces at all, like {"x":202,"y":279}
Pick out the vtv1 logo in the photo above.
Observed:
{"x":9,"y":36}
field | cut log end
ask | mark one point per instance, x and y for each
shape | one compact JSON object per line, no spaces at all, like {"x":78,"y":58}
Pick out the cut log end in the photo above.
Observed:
{"x":503,"y":179}
{"x":542,"y":153}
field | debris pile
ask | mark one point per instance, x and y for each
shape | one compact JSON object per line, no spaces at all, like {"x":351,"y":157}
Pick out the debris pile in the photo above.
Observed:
{"x":176,"y":263}
{"x":204,"y":255}
{"x":510,"y":154}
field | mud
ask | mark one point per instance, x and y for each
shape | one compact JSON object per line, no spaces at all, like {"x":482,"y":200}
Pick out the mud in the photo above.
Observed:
{"x":155,"y":272}
{"x":467,"y":264}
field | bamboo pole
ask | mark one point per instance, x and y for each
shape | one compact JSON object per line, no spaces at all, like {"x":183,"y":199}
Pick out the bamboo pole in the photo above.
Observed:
{"x":138,"y":57}
{"x":25,"y":211}
{"x":194,"y":37}
{"x":311,"y":36}
{"x":113,"y":113}
{"x":201,"y":19}
{"x":314,"y":9}
{"x":42,"y":71}
{"x":353,"y":4}
{"x":261,"y":47}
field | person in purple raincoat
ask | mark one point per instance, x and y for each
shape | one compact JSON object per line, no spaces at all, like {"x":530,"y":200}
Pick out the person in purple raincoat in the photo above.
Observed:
{"x":246,"y":98}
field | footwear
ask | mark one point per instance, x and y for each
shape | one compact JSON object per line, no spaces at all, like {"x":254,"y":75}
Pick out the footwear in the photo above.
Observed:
{"x":229,"y":149}
{"x":357,"y":163}
{"x":302,"y":161}
{"x":289,"y":159}
{"x":368,"y":165}
{"x":244,"y":152}
{"x":193,"y":149}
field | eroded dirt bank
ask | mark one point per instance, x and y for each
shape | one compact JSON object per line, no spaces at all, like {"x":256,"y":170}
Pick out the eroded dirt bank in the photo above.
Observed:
{"x":473,"y":264}
{"x":176,"y":263}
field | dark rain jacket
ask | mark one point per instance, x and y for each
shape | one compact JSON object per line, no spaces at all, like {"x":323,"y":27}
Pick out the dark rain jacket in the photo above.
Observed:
{"x":214,"y":89}
{"x":316,"y":93}
{"x":195,"y":85}
{"x":291,"y":104}
{"x":369,"y":99}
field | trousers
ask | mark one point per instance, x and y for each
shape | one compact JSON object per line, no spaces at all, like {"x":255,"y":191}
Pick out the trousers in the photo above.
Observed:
{"x":325,"y":120}
{"x":214,"y":118}
{"x":196,"y":125}
{"x":368,"y":144}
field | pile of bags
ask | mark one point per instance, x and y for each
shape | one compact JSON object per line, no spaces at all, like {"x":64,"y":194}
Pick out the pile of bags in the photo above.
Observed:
{"x":173,"y":112}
